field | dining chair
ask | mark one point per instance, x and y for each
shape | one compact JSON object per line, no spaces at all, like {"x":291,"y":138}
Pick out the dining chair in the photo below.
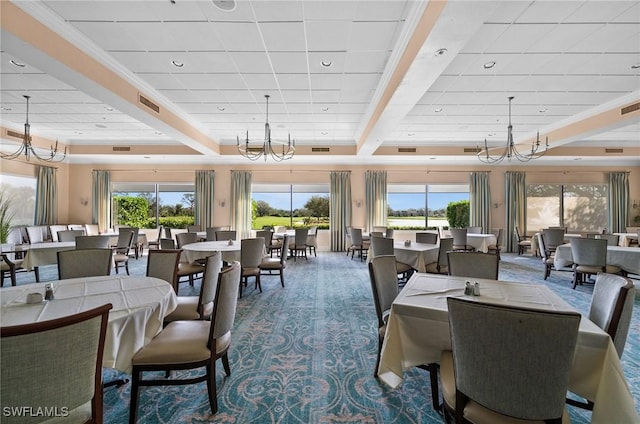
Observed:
{"x":193,"y":344}
{"x":163,"y":264}
{"x":474,"y":230}
{"x":358,"y":243}
{"x":553,"y":238}
{"x":122,"y":249}
{"x":92,"y":242}
{"x":269,"y":264}
{"x":459,"y":236}
{"x":91,"y":229}
{"x":441,"y":266}
{"x":35,"y":235}
{"x":201,"y":306}
{"x":53,"y":230}
{"x":251,"y":253}
{"x":211,"y":232}
{"x":379,"y":229}
{"x":55,"y":363}
{"x":155,"y":244}
{"x":191,"y":270}
{"x":267,"y":236}
{"x":10,"y":265}
{"x":523,"y":241}
{"x":611,"y":309}
{"x":299,"y":245}
{"x":69,"y":235}
{"x":167,"y":243}
{"x":497,"y":247}
{"x":167,"y":232}
{"x":612,"y":239}
{"x":312,"y":240}
{"x":489,"y":377}
{"x":547,"y":257}
{"x":383,"y":246}
{"x":84,"y":263}
{"x":589,"y":258}
{"x":389,"y":232}
{"x":226,"y":235}
{"x":193,"y":228}
{"x":429,"y":238}
{"x":183,"y":239}
{"x":473,"y":264}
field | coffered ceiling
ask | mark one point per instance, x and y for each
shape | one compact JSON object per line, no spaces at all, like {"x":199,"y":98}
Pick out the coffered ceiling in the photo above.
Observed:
{"x":369,"y":80}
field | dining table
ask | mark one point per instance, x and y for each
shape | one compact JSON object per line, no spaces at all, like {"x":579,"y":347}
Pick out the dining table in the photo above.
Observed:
{"x":416,"y":255}
{"x":481,"y":242}
{"x":626,"y":239}
{"x":418,"y":332}
{"x":230,"y":250}
{"x":627,"y":258}
{"x":139,"y":307}
{"x":534,"y":241}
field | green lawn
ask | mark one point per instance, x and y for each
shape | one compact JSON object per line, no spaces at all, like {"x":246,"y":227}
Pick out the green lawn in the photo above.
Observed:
{"x":277,"y":221}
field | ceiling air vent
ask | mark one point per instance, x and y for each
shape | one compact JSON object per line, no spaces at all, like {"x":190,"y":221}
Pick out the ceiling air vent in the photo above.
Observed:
{"x":148,"y":103}
{"x":320,"y":149}
{"x":614,"y":150}
{"x":121,"y":148}
{"x":471,"y":150}
{"x":630,"y":108}
{"x":406,"y":149}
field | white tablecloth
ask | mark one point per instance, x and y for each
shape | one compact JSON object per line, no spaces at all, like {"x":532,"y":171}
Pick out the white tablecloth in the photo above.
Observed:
{"x":626,"y":238}
{"x":201,"y":250}
{"x":534,"y":241}
{"x":40,"y":254}
{"x":416,"y":255}
{"x":627,"y":258}
{"x":481,"y":242}
{"x":418,"y":331}
{"x":139,"y":307}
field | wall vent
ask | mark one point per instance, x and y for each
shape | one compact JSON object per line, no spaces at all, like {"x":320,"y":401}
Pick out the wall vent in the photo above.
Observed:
{"x":406,"y":149}
{"x":471,"y":150}
{"x":148,"y":103}
{"x":121,"y":148}
{"x":614,"y":150}
{"x":320,"y":149}
{"x":15,"y":134}
{"x":630,"y":108}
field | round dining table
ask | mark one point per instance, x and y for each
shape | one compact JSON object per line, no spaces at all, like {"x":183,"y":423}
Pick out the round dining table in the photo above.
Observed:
{"x":200,"y":250}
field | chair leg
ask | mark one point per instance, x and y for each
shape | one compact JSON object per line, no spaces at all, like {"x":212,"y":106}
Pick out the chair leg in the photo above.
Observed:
{"x":225,"y":364}
{"x":133,"y":404}
{"x":126,"y":267}
{"x":282,"y":277}
{"x":36,"y":270}
{"x":211,"y":387}
{"x":258,"y":285}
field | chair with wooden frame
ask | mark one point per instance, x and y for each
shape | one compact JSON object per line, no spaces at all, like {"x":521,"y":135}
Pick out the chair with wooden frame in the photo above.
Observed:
{"x":84,"y":263}
{"x":269,"y":264}
{"x":163,"y":264}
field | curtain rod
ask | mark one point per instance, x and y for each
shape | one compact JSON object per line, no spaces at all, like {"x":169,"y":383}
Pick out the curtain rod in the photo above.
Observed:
{"x":402,"y":171}
{"x":569,"y":172}
{"x":150,"y":170}
{"x":290,"y":171}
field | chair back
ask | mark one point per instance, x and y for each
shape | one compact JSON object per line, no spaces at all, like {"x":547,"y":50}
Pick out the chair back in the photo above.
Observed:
{"x":498,"y":233}
{"x":163,"y":264}
{"x":160,"y":231}
{"x":446,"y":245}
{"x":474,"y":230}
{"x":167,"y":243}
{"x":459,"y":236}
{"x":430,"y":238}
{"x":33,"y":376}
{"x":611,"y":307}
{"x":553,"y":237}
{"x":612,"y":239}
{"x":211,"y":232}
{"x":376,"y":234}
{"x":193,"y":228}
{"x":84,"y":263}
{"x":35,"y":235}
{"x":125,"y":240}
{"x":544,"y":253}
{"x":382,"y":246}
{"x":92,"y":242}
{"x":492,"y":350}
{"x":53,"y":229}
{"x":356,"y":236}
{"x":589,"y":252}
{"x":267,"y":236}
{"x":379,"y":229}
{"x":91,"y":229}
{"x":301,"y":237}
{"x":167,"y":232}
{"x":383,"y":276}
{"x":226,"y":235}
{"x":251,"y":252}
{"x":225,"y":302}
{"x":389,"y":233}
{"x":283,"y":250}
{"x":186,"y":238}
{"x":69,"y":235}
{"x":209,"y":285}
{"x":473,"y":265}
{"x":519,"y":235}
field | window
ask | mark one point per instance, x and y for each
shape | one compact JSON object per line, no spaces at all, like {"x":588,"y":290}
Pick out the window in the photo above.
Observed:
{"x":579,"y":207}
{"x":174,"y":208}
{"x":290,"y":205}
{"x":22,"y":192}
{"x":408,"y":202}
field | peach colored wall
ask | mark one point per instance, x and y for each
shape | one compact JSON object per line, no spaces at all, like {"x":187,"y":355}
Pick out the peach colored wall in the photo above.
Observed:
{"x":78,"y":183}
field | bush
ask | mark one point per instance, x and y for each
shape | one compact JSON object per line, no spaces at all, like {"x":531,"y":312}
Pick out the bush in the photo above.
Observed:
{"x":458,"y":214}
{"x":131,"y":211}
{"x":170,"y":222}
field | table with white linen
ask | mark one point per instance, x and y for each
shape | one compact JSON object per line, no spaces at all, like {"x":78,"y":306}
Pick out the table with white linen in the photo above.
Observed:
{"x":40,"y":254}
{"x":416,"y":255}
{"x":627,"y":258}
{"x":113,"y":239}
{"x":139,"y":307}
{"x":534,"y":241}
{"x":481,"y":242}
{"x":200,"y":250}
{"x":626,"y":238}
{"x":418,"y":331}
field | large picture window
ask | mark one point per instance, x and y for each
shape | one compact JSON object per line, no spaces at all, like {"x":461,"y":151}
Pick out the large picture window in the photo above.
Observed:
{"x":22,"y":192}
{"x":290,"y":205}
{"x":408,"y":203}
{"x":171,"y":205}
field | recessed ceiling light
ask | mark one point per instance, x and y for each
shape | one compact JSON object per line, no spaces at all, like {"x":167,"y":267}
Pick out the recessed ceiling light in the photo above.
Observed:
{"x":326,"y":63}
{"x":77,"y":132}
{"x":109,"y":108}
{"x":324,"y":133}
{"x":635,"y":66}
{"x":438,"y":110}
{"x":432,"y":158}
{"x":411,"y":134}
{"x":5,"y":108}
{"x":147,"y":157}
{"x":226,"y":5}
{"x":177,"y":63}
{"x":158,"y":133}
{"x":18,"y":64}
{"x":491,"y":134}
{"x":543,"y":110}
{"x":440,"y":52}
{"x":577,"y":158}
{"x":221,"y":108}
{"x":324,"y":108}
{"x":489,"y":65}
{"x":101,"y":126}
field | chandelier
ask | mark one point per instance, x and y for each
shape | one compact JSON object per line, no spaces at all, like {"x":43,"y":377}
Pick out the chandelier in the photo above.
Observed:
{"x":27,"y":149}
{"x":277,"y":150}
{"x":510,"y":150}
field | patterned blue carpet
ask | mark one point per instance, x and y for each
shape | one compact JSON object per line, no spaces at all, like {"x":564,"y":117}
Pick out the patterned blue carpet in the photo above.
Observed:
{"x":305,"y":353}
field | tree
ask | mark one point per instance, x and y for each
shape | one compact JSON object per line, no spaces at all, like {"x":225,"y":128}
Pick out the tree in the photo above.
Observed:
{"x":318,"y":206}
{"x":189,"y":199}
{"x":458,"y":214}
{"x":131,"y":211}
{"x":263,"y":208}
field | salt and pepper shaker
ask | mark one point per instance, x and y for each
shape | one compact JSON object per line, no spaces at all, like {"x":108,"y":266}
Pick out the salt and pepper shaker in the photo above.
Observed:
{"x":476,"y":289}
{"x":468,"y":289}
{"x":472,"y":288}
{"x":48,"y":292}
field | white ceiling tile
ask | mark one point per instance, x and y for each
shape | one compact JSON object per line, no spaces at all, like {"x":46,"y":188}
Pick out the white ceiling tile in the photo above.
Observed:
{"x":172,"y":36}
{"x":374,"y":36}
{"x":630,"y":15}
{"x":251,"y":62}
{"x":293,"y":81}
{"x":239,"y":36}
{"x":327,"y":36}
{"x":562,"y":38}
{"x":259,"y":82}
{"x":485,"y":37}
{"x":548,"y":12}
{"x":330,"y":10}
{"x":382,"y":10}
{"x":616,"y":38}
{"x":283,"y":36}
{"x":358,"y":81}
{"x":289,"y":62}
{"x":278,"y":11}
{"x":326,"y":81}
{"x":366,"y":62}
{"x":600,"y":11}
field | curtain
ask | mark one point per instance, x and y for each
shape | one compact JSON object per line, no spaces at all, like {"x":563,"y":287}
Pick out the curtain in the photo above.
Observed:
{"x":480,"y":201}
{"x":516,"y":208}
{"x":101,"y":199}
{"x":241,"y":203}
{"x":340,"y":213}
{"x":618,"y":201}
{"x":376,"y":198}
{"x":46,"y":196}
{"x":204,"y":199}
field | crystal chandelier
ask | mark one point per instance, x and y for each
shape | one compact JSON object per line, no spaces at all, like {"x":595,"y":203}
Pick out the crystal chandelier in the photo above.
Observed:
{"x":510,"y":150}
{"x":27,"y":149}
{"x":277,"y":150}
